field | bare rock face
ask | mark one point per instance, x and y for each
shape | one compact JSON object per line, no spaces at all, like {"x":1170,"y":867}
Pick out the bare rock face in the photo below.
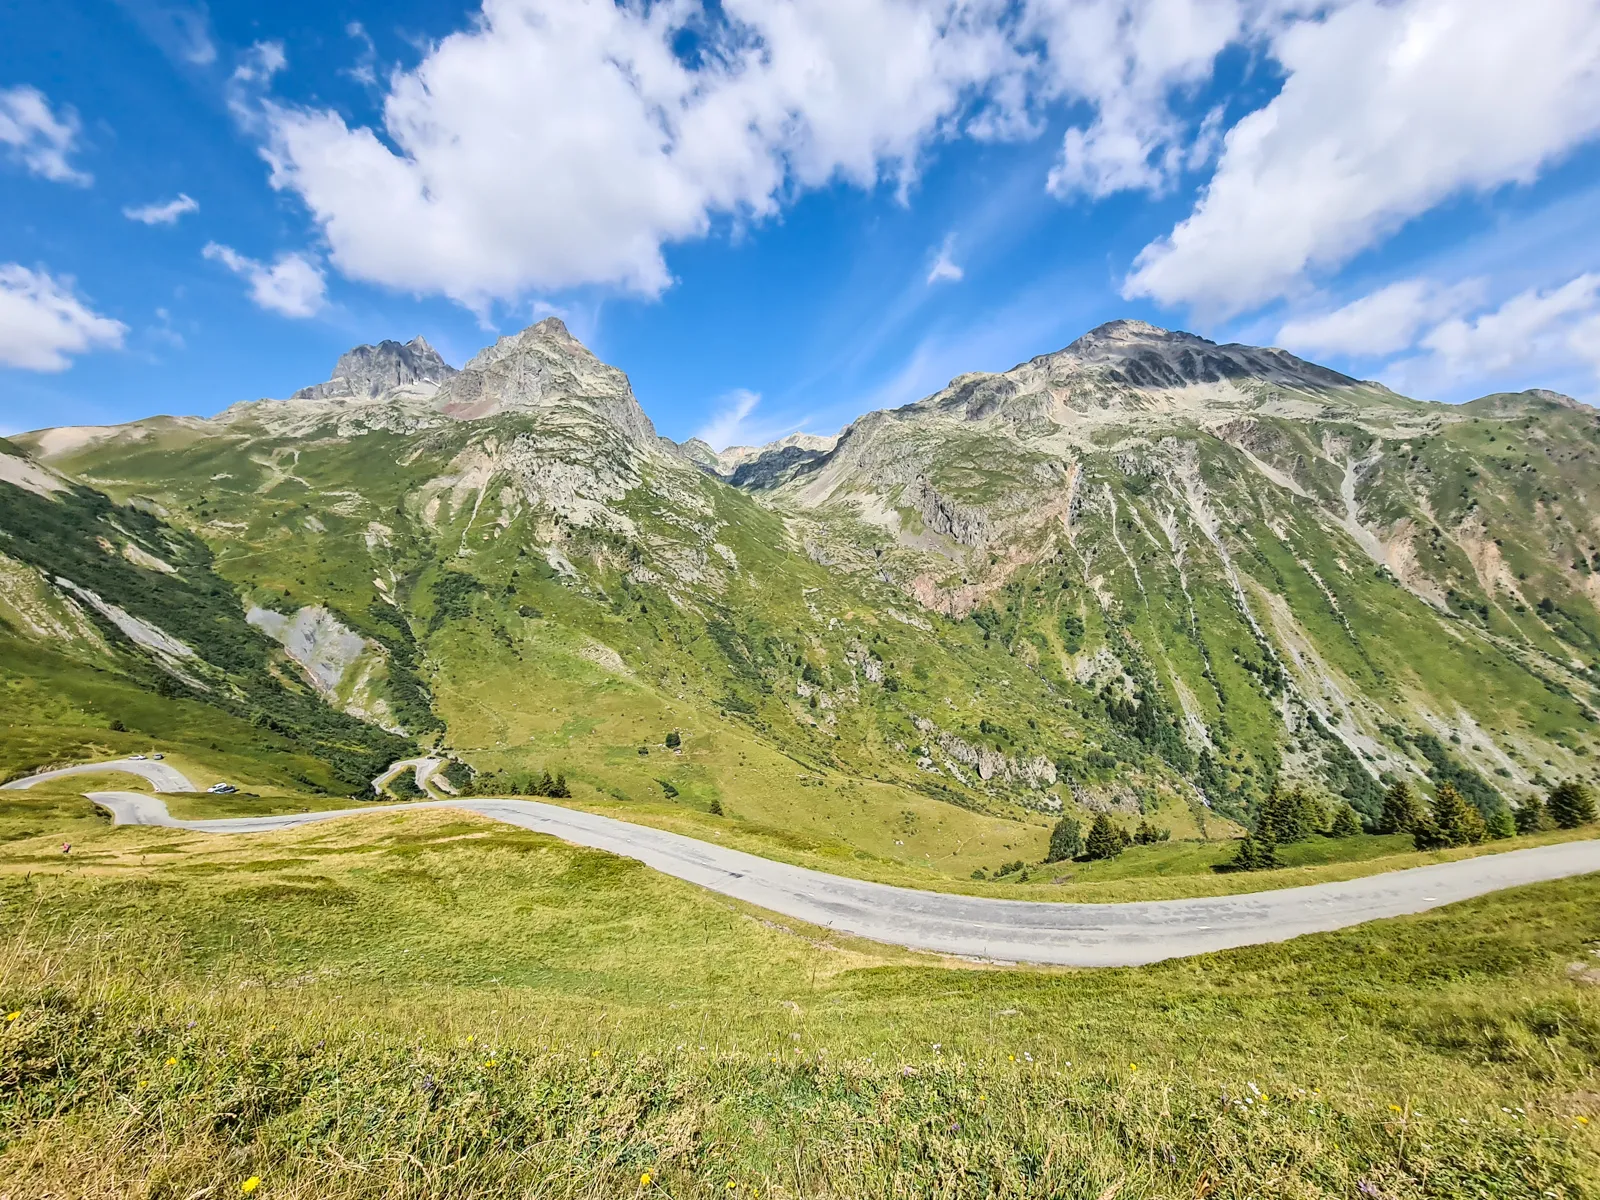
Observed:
{"x":367,"y":372}
{"x":543,"y":369}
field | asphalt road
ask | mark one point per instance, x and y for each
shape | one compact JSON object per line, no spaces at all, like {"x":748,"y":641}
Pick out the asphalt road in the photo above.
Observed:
{"x":162,"y":776}
{"x":422,"y":768}
{"x":1080,"y":935}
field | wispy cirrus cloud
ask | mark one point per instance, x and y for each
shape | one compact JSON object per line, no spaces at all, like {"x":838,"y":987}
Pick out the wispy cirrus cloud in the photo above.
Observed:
{"x":165,"y":212}
{"x":40,"y":137}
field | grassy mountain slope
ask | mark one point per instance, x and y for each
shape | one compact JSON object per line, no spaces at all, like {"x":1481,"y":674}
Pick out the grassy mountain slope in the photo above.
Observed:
{"x":118,"y":631}
{"x":427,"y":1005}
{"x":1258,"y":567}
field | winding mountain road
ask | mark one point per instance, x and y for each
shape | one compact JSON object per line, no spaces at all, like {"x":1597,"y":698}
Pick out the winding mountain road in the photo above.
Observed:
{"x":1080,"y":935}
{"x":160,"y":775}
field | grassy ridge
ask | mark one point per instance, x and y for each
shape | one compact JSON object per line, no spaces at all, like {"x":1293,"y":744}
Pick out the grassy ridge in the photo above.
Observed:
{"x":434,"y":1006}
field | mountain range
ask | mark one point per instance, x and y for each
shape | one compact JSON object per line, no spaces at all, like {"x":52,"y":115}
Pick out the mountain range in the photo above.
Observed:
{"x":1146,"y":573}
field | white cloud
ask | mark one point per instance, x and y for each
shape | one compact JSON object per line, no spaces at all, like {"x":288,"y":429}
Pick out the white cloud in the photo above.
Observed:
{"x":293,"y":285}
{"x":42,"y":322}
{"x":37,"y":137}
{"x":562,"y":142}
{"x":730,"y":426}
{"x":1534,"y":331}
{"x":1126,"y":60}
{"x":1381,"y":323}
{"x":1386,"y":110}
{"x":163,"y":213}
{"x":944,"y":267}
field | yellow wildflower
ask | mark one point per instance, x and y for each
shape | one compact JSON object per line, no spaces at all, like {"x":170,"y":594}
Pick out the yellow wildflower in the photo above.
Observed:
{"x":594,"y":1054}
{"x":644,"y":1180}
{"x":1395,"y":1108}
{"x":172,"y":1062}
{"x":12,"y":1016}
{"x":144,"y":1083}
{"x":1583,"y":1120}
{"x":1133,"y":1066}
{"x":488,"y":1062}
{"x":250,"y":1185}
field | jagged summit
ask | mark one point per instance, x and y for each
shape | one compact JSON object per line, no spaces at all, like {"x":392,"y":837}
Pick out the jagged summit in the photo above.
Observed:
{"x":545,"y":368}
{"x":367,"y":372}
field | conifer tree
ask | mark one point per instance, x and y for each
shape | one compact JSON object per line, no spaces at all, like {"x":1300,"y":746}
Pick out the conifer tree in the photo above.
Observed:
{"x":1500,"y":823}
{"x":1066,"y":840}
{"x":1105,"y":839}
{"x":1254,"y":854}
{"x":1570,"y":805}
{"x":1345,"y":823}
{"x":1531,"y":817}
{"x":1401,"y":812}
{"x":1458,"y":823}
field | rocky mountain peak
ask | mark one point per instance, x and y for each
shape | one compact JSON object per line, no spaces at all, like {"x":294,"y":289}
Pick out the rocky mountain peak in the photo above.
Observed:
{"x":367,"y":372}
{"x":545,"y":368}
{"x":1139,"y":355}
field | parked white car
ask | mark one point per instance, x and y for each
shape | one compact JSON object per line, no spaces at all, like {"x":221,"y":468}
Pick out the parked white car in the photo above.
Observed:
{"x":136,"y":757}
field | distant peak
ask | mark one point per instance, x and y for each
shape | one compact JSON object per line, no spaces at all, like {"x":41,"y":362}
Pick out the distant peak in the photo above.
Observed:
{"x":367,"y":372}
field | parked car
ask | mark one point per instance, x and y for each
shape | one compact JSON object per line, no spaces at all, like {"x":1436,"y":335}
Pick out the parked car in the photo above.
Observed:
{"x":222,"y":789}
{"x":158,"y":757}
{"x":136,"y":757}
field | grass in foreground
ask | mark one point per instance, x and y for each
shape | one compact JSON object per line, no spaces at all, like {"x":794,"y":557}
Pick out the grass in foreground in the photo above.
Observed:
{"x":426,"y":1005}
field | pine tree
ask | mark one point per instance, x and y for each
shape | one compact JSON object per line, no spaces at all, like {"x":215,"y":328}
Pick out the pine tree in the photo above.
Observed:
{"x":716,"y":807}
{"x":1500,"y":823}
{"x":1401,"y":812}
{"x":1458,"y":823}
{"x":1345,"y":823}
{"x":1105,"y":839}
{"x":1290,"y":816}
{"x":1146,"y":834}
{"x":559,"y":790}
{"x":1066,"y":840}
{"x":1253,"y":854}
{"x":1571,"y":804}
{"x":1531,"y":816}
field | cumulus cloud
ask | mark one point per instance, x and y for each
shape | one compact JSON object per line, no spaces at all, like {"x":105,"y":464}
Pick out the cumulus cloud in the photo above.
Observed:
{"x":39,"y":138}
{"x":564,"y":142}
{"x":1539,"y":329}
{"x":944,"y":268}
{"x":1386,"y":110}
{"x":1127,"y":60}
{"x":1381,"y":323}
{"x":42,"y":322}
{"x":293,"y":285}
{"x":163,"y":213}
{"x":730,"y":426}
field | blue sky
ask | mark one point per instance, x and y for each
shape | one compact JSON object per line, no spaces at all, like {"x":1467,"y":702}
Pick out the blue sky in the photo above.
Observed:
{"x":776,"y":214}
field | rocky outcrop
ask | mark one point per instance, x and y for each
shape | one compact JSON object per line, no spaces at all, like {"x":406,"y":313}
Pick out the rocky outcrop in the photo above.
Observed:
{"x":368,"y":372}
{"x":1037,"y":772}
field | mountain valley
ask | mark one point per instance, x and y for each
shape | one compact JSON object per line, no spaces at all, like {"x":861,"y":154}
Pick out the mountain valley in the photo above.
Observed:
{"x":1145,"y":575}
